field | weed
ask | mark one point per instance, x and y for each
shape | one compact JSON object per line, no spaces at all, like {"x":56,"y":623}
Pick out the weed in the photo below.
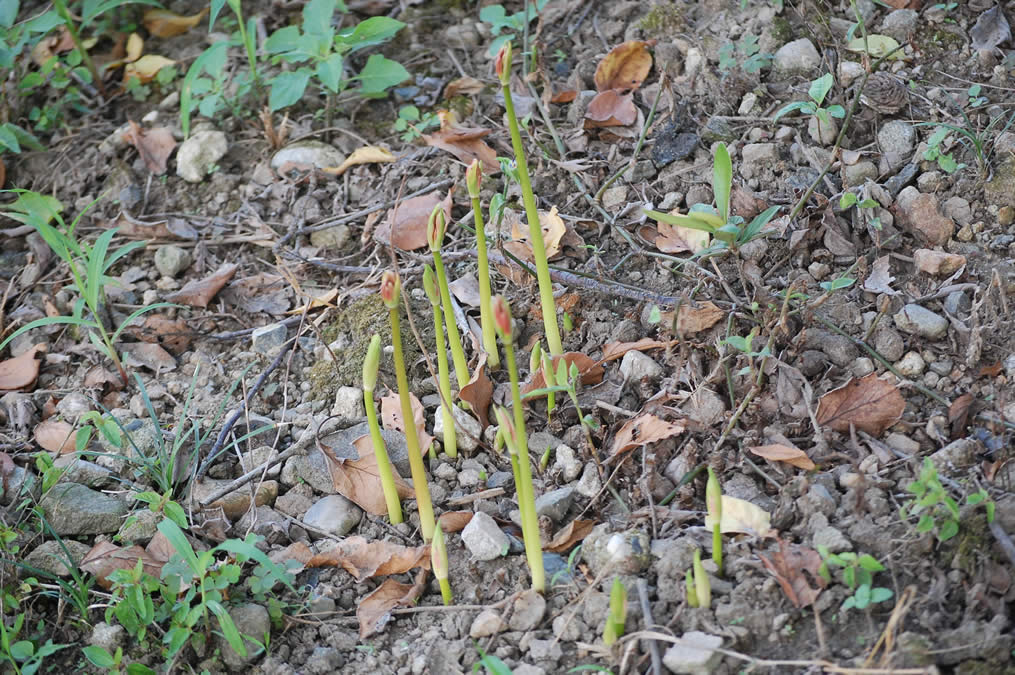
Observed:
{"x":817,"y":92}
{"x":13,"y":137}
{"x":617,"y":616}
{"x":24,"y":657}
{"x":505,"y":27}
{"x":935,"y":507}
{"x":866,"y":206}
{"x":745,"y":54}
{"x":113,"y":663}
{"x":938,"y":150}
{"x":412,"y":123}
{"x":858,"y":575}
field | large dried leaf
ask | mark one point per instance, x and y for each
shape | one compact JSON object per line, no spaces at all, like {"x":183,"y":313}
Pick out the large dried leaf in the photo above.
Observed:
{"x":21,"y":371}
{"x":642,"y":430}
{"x":165,"y":24}
{"x":391,"y":418}
{"x":154,"y":145}
{"x":676,"y":239}
{"x":876,"y":46}
{"x":6,"y":470}
{"x":106,"y":557}
{"x":552,"y":228}
{"x":615,"y":350}
{"x":363,"y":559}
{"x":625,"y":67}
{"x":788,"y":565}
{"x":55,"y":435}
{"x":199,"y":293}
{"x":466,"y":290}
{"x":454,"y":521}
{"x":173,"y":228}
{"x":146,"y":68}
{"x":463,"y":86}
{"x":172,"y":334}
{"x":150,"y":355}
{"x":405,"y":226}
{"x":611,"y":109}
{"x":571,"y":534}
{"x":465,"y":143}
{"x":590,"y":372}
{"x":263,"y":292}
{"x":868,"y":403}
{"x":880,"y":279}
{"x":778,"y":452}
{"x":478,"y":392}
{"x":740,"y":516}
{"x":359,"y":481}
{"x":991,"y":29}
{"x":693,"y":318}
{"x":371,"y":154}
{"x":374,"y":610}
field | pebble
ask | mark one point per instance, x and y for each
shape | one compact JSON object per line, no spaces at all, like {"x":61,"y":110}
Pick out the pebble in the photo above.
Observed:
{"x":250,"y":619}
{"x":589,"y":484}
{"x":823,"y":133}
{"x":468,"y":427}
{"x":566,"y":461}
{"x":334,"y":515}
{"x":919,"y":213}
{"x":488,"y":622}
{"x":889,"y":344}
{"x":897,"y":140}
{"x":958,"y":209}
{"x":627,"y":552}
{"x":958,"y":454}
{"x":107,"y":636}
{"x":73,"y":509}
{"x":694,"y":655}
{"x":330,"y":237}
{"x":199,"y":153}
{"x":918,"y":320}
{"x":348,"y":406}
{"x":615,"y":197}
{"x":312,"y":153}
{"x":900,"y":24}
{"x":798,"y":57}
{"x":758,"y":155}
{"x":484,"y":538}
{"x":171,"y":260}
{"x":832,"y":539}
{"x":937,"y":263}
{"x":1009,"y":365}
{"x":911,"y":365}
{"x":528,"y":611}
{"x":859,"y":173}
{"x":554,"y":504}
{"x":636,"y":366}
{"x":268,"y":339}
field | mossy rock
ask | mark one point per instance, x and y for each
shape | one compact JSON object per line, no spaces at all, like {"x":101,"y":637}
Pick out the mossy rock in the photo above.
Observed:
{"x":663,"y":20}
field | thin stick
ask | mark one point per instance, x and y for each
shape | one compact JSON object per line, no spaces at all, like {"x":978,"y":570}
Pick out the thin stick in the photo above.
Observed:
{"x":646,"y":611}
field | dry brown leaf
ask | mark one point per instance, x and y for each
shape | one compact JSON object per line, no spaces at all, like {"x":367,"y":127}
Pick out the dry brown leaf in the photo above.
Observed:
{"x":374,"y":610}
{"x":958,"y":414}
{"x":454,"y":521}
{"x":625,"y":67}
{"x":391,"y":418}
{"x":199,"y":293}
{"x":136,"y":229}
{"x":21,"y":371}
{"x":676,"y":239}
{"x":740,"y":516}
{"x":993,"y":370}
{"x":55,"y":436}
{"x":463,"y":86}
{"x":868,"y":403}
{"x":172,"y":334}
{"x":106,"y":557}
{"x":165,"y":24}
{"x":465,"y":143}
{"x":6,"y":469}
{"x":611,"y":109}
{"x":788,"y":565}
{"x":371,"y":154}
{"x":48,"y":47}
{"x":325,"y":299}
{"x":571,"y":534}
{"x":691,"y":319}
{"x":98,"y":377}
{"x":363,"y":559}
{"x":615,"y":350}
{"x":150,"y":355}
{"x":880,"y":279}
{"x":565,"y":96}
{"x":589,"y":370}
{"x":261,"y":292}
{"x":297,"y":551}
{"x":466,"y":289}
{"x":359,"y":481}
{"x":154,"y":145}
{"x":777,"y":452}
{"x":134,"y":47}
{"x":642,"y":430}
{"x":146,"y":68}
{"x":552,"y":227}
{"x":405,"y":226}
{"x":478,"y":392}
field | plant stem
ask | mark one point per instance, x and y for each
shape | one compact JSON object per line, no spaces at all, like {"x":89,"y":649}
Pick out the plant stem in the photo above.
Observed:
{"x":485,"y":313}
{"x":445,"y":590}
{"x":68,"y":22}
{"x":717,"y":547}
{"x":383,"y":462}
{"x":454,"y":337}
{"x":444,"y":382}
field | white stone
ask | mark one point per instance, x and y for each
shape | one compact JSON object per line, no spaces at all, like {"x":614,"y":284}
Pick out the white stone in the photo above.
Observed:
{"x":911,"y":365}
{"x":694,"y":655}
{"x":199,"y":153}
{"x":484,"y":538}
{"x":334,"y":515}
{"x":635,"y":366}
{"x":467,"y":428}
{"x":348,"y":406}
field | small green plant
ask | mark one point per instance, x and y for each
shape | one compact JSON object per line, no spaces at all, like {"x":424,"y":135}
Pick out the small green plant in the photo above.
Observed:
{"x":436,"y":227}
{"x":439,"y":562}
{"x":473,"y":181}
{"x":974,"y":99}
{"x":866,"y":206}
{"x":493,"y":664}
{"x":713,"y":503}
{"x":817,"y":92}
{"x":25,"y":657}
{"x":858,"y":575}
{"x":745,"y":345}
{"x":505,"y":27}
{"x":13,"y":138}
{"x":443,"y":370}
{"x":112,"y":664}
{"x":698,"y":585}
{"x":371,"y":364}
{"x":412,"y":123}
{"x":617,"y":617}
{"x":565,"y":380}
{"x":935,"y":507}
{"x":745,"y":54}
{"x":837,"y":284}
{"x":938,"y":150}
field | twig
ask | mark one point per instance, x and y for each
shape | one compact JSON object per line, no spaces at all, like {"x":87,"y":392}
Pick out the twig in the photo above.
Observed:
{"x":646,"y":611}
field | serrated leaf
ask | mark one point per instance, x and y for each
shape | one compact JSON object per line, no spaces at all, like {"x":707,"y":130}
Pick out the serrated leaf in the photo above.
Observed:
{"x":379,"y":74}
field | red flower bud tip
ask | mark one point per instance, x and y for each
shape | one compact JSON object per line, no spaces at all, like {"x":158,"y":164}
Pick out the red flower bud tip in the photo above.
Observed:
{"x":502,"y":317}
{"x":503,"y":63}
{"x":390,"y":285}
{"x":473,"y":177}
{"x":435,"y":226}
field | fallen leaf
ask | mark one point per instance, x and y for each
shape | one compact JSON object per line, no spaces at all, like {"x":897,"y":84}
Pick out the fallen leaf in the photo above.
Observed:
{"x":880,"y":279}
{"x":3,"y":173}
{"x":263,"y":292}
{"x":165,"y":24}
{"x":868,"y":403}
{"x":465,"y":143}
{"x":565,"y":96}
{"x":200,"y":292}
{"x":374,"y":610}
{"x":21,"y":371}
{"x":146,"y":68}
{"x":677,"y":239}
{"x":359,"y":480}
{"x":172,"y":334}
{"x":693,"y":319}
{"x":405,"y":226}
{"x":136,"y":229}
{"x":105,"y":557}
{"x":611,"y":109}
{"x":958,"y":414}
{"x":371,"y":154}
{"x":778,"y":452}
{"x":625,"y":67}
{"x":48,"y":47}
{"x":571,"y":534}
{"x":154,"y":145}
{"x":552,"y":228}
{"x":642,"y":430}
{"x":788,"y":565}
{"x":993,"y":370}
{"x":876,"y":46}
{"x":590,"y":372}
{"x":55,"y":435}
{"x":391,"y":418}
{"x":615,"y":350}
{"x":150,"y":355}
{"x":454,"y":521}
{"x":134,"y":47}
{"x":363,"y":559}
{"x":324,"y":299}
{"x":463,"y":86}
{"x":990,"y":30}
{"x":740,"y":516}
{"x":478,"y":392}
{"x":466,"y":289}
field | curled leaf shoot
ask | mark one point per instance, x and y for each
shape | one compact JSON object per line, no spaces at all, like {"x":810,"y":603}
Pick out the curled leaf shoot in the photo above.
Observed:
{"x":370,"y":366}
{"x":473,"y":179}
{"x":439,"y":563}
{"x":713,"y":503}
{"x":436,"y":226}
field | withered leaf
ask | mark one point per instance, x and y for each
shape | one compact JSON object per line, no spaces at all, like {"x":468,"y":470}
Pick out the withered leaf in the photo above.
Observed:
{"x":154,"y":145}
{"x":374,"y":610}
{"x":625,"y":67}
{"x":571,"y":534}
{"x":880,"y":279}
{"x":615,"y":350}
{"x":362,"y":558}
{"x":55,"y":436}
{"x":611,"y":109}
{"x":868,"y":403}
{"x":742,"y":516}
{"x":165,"y":24}
{"x":146,"y":68}
{"x":788,"y":566}
{"x":463,"y":86}
{"x":200,"y":292}
{"x":106,"y":557}
{"x":465,"y":143}
{"x":405,"y":226}
{"x":359,"y":480}
{"x":693,"y":318}
{"x":778,"y":452}
{"x":391,"y":418}
{"x":454,"y":521}
{"x":370,"y":154}
{"x":263,"y":292}
{"x":173,"y":334}
{"x":552,"y":228}
{"x":676,"y":239}
{"x":21,"y":371}
{"x":642,"y":430}
{"x":478,"y":392}
{"x":958,"y":414}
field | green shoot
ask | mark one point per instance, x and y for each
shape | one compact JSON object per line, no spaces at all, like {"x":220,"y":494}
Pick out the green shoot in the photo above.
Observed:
{"x":713,"y":502}
{"x":435,"y":235}
{"x":443,"y":374}
{"x":473,"y":179}
{"x":692,"y":594}
{"x":615,"y":620}
{"x":702,"y":585}
{"x":370,"y":366}
{"x":439,"y":562}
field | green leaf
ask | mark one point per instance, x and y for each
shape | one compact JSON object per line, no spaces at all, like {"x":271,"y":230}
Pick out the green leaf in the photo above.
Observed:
{"x":317,"y":16}
{"x":9,"y":12}
{"x":787,"y":109}
{"x":329,"y":72}
{"x":820,"y":87}
{"x":755,"y":227}
{"x":881,"y":594}
{"x":8,"y":139}
{"x":22,"y":650}
{"x":877,"y":46}
{"x":925,"y":524}
{"x":837,"y":111}
{"x":379,"y":74}
{"x":99,"y":657}
{"x":949,"y":529}
{"x":288,"y":88}
{"x":862,"y":597}
{"x":681,"y":220}
{"x":175,"y":513}
{"x":212,"y":59}
{"x":722,"y":180}
{"x":179,"y":543}
{"x":94,"y":8}
{"x":847,"y":200}
{"x":283,"y":40}
{"x":48,"y":321}
{"x":368,"y":33}
{"x":870,"y":563}
{"x":228,"y":628}
{"x":82,"y":437}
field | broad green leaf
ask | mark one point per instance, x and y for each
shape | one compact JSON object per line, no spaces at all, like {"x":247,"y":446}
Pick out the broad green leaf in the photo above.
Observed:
{"x":877,"y":46}
{"x":8,"y":139}
{"x":949,"y":529}
{"x":179,"y":542}
{"x":288,"y":88}
{"x":99,"y":657}
{"x":216,"y":7}
{"x":284,"y":40}
{"x":881,"y":594}
{"x":367,"y":33}
{"x":22,"y":650}
{"x":329,"y":72}
{"x":787,"y":109}
{"x":863,"y":596}
{"x":722,"y":180}
{"x":379,"y":74}
{"x":820,"y":87}
{"x":139,"y":669}
{"x":681,"y":220}
{"x":870,"y":563}
{"x":837,"y":111}
{"x":757,"y":225}
{"x":9,"y":12}
{"x":212,"y":59}
{"x":210,"y":105}
{"x":317,"y":17}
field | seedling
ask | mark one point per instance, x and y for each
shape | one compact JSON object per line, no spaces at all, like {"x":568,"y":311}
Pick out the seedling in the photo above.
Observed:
{"x":702,"y":584}
{"x":391,"y":287}
{"x":370,"y":366}
{"x":547,"y":304}
{"x":818,"y":91}
{"x":566,"y":379}
{"x":865,"y":206}
{"x":713,"y":502}
{"x":938,"y":151}
{"x":439,"y":562}
{"x":858,"y":575}
{"x":412,"y":124}
{"x":746,"y":54}
{"x":506,"y":26}
{"x":473,"y":180}
{"x":443,"y":374}
{"x":435,"y":236}
{"x":936,"y":508}
{"x":615,"y":620}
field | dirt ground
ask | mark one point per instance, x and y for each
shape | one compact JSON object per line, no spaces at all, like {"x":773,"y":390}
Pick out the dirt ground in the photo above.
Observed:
{"x":917,"y":347}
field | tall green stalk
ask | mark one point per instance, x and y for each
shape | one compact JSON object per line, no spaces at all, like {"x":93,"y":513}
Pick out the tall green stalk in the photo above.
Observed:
{"x":517,"y":441}
{"x":713,"y":503}
{"x":370,"y":366}
{"x":391,"y":287}
{"x":443,"y":374}
{"x":439,"y":563}
{"x":473,"y":179}
{"x":549,"y":307}
{"x":435,"y":237}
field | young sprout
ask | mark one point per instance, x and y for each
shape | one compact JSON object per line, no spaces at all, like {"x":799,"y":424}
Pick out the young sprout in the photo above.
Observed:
{"x":439,"y":563}
{"x":443,"y":374}
{"x":540,"y":360}
{"x":702,"y":586}
{"x":692,"y":595}
{"x":615,"y":620}
{"x":391,"y":287}
{"x":370,"y":365}
{"x":713,"y":502}
{"x":473,"y":179}
{"x":503,"y":67}
{"x":435,"y":236}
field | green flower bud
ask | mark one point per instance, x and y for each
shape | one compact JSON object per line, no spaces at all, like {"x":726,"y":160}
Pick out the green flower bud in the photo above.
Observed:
{"x":435,"y":227}
{"x":713,"y":497}
{"x":390,"y":287}
{"x":439,"y":553}
{"x":473,"y":178}
{"x":503,"y":63}
{"x":430,"y":286}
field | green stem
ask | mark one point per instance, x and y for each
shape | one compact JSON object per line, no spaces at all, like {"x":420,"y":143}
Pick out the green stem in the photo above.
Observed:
{"x":485,"y":312}
{"x":419,"y":484}
{"x":717,"y":547}
{"x":383,"y":462}
{"x":546,"y":301}
{"x":454,"y":338}
{"x":444,"y":382}
{"x":445,"y":591}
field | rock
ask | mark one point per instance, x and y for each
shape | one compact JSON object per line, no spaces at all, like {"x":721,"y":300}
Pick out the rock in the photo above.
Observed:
{"x":567,"y":462}
{"x":889,"y":344}
{"x":260,"y":456}
{"x":488,"y":622}
{"x":251,"y":620}
{"x":199,"y":153}
{"x":1000,"y":189}
{"x":330,"y":237}
{"x":643,"y":170}
{"x":758,"y":155}
{"x":918,"y":320}
{"x":848,"y":72}
{"x":235,"y":503}
{"x":579,"y":106}
{"x":832,"y":539}
{"x":635,"y":366}
{"x":626,"y":552}
{"x":334,"y":515}
{"x":589,"y":484}
{"x":296,"y":501}
{"x":957,"y":303}
{"x":958,"y":209}
{"x":615,"y":196}
{"x":266,"y":522}
{"x":309,"y":153}
{"x":900,"y":24}
{"x":897,"y":140}
{"x":170,"y":260}
{"x":822,"y":133}
{"x":108,"y":637}
{"x":74,"y":509}
{"x":859,"y":173}
{"x":348,"y":407}
{"x":554,"y":504}
{"x":694,"y":655}
{"x":528,"y":611}
{"x":268,"y":339}
{"x":468,"y":428}
{"x":77,"y":470}
{"x":324,"y":660}
{"x":919,"y":213}
{"x":140,"y":527}
{"x":799,"y":57}
{"x":937,"y":263}
{"x":840,"y":349}
{"x":718,"y":129}
{"x":484,"y":538}
{"x":957,"y":455}
{"x":49,"y":556}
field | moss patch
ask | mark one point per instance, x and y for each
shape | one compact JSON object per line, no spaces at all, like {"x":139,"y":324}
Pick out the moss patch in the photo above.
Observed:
{"x":662,"y":20}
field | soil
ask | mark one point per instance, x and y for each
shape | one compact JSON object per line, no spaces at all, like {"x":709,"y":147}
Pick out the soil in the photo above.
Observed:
{"x":950,"y":604}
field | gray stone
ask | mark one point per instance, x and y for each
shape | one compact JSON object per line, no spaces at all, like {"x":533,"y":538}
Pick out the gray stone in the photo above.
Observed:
{"x":897,"y":140}
{"x":312,"y":153}
{"x":348,"y":406}
{"x":579,"y":106}
{"x":140,"y":527}
{"x":77,"y":470}
{"x":504,"y":479}
{"x":589,"y":484}
{"x":626,"y":552}
{"x":859,"y":173}
{"x":718,"y":129}
{"x":799,"y":57}
{"x":918,"y":320}
{"x":296,"y":501}
{"x":260,"y":456}
{"x":266,"y":522}
{"x":545,"y":650}
{"x":199,"y":153}
{"x":1009,"y":365}
{"x":330,"y":237}
{"x":108,"y":637}
{"x":74,"y":509}
{"x":958,"y":209}
{"x":822,"y":132}
{"x":484,"y":538}
{"x":49,"y":557}
{"x":467,"y":427}
{"x":957,"y":303}
{"x":268,"y":339}
{"x":832,"y":539}
{"x":566,"y":461}
{"x":959,"y":454}
{"x":251,"y":620}
{"x":900,"y":24}
{"x":73,"y":405}
{"x":635,"y":366}
{"x":911,"y":365}
{"x":528,"y":611}
{"x":170,"y":260}
{"x":758,"y":155}
{"x":554,"y":504}
{"x":889,"y":343}
{"x":488,"y":622}
{"x":334,"y":515}
{"x":324,"y":660}
{"x":694,"y":655}
{"x":468,"y":478}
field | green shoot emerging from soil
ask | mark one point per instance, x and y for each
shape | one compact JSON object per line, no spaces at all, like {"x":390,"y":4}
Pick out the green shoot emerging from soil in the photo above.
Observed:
{"x":443,"y":374}
{"x":435,"y":236}
{"x":370,"y":366}
{"x":702,"y":585}
{"x":617,"y":616}
{"x":473,"y":180}
{"x":439,"y":562}
{"x":713,"y":502}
